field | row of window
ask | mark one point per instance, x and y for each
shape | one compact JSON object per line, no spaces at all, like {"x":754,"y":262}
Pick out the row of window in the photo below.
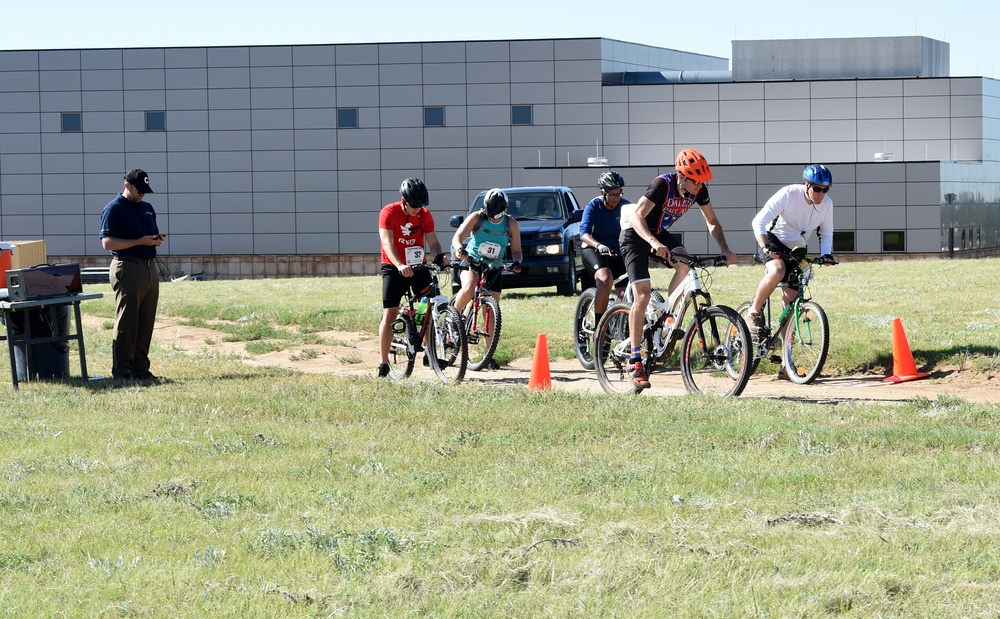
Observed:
{"x":843,"y":241}
{"x":347,"y":118}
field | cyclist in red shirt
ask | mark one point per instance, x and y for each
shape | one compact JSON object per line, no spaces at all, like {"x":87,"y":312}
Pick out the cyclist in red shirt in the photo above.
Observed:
{"x":404,"y":227}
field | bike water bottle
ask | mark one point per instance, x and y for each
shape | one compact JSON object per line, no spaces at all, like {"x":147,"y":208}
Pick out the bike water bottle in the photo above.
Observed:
{"x":421,"y":310}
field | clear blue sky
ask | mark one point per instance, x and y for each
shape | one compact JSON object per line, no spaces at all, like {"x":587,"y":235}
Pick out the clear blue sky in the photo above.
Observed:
{"x":969,"y":27}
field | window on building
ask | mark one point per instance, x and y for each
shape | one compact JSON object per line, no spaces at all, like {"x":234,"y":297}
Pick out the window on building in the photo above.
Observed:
{"x":893,"y":240}
{"x":520,"y":115}
{"x":156,"y":121}
{"x":433,"y":116}
{"x":71,"y":121}
{"x":347,"y":117}
{"x":843,"y":241}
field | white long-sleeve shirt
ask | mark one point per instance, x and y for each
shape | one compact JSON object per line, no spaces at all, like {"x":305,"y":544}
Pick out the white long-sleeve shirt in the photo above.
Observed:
{"x":796,"y":219}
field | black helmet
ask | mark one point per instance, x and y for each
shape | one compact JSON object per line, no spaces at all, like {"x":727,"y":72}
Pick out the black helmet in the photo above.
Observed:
{"x":414,"y":192}
{"x":610,"y":180}
{"x":494,"y":203}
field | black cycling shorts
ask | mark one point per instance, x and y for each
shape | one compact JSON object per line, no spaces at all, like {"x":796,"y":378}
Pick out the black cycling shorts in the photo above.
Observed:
{"x":595,"y":261}
{"x":394,"y":285}
{"x":494,"y":277}
{"x":791,"y":276}
{"x":635,"y":250}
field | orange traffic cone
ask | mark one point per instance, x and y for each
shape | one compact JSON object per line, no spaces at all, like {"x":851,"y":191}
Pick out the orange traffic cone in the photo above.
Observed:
{"x":903,"y":367}
{"x":540,"y":379}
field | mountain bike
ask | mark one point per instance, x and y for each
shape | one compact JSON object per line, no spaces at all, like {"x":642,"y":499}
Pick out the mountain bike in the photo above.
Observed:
{"x":482,"y":316}
{"x":713,"y":357}
{"x":584,"y":323}
{"x":804,"y":350}
{"x":441,"y":326}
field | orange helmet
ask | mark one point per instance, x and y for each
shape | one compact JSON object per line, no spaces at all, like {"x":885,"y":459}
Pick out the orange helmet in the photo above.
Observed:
{"x":693,"y":165}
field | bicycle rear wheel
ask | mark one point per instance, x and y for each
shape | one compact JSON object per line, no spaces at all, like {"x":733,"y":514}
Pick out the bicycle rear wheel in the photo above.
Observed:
{"x":482,"y":331}
{"x":401,"y":359}
{"x":612,"y":349}
{"x":805,"y":343}
{"x":447,"y":351}
{"x":714,"y":359}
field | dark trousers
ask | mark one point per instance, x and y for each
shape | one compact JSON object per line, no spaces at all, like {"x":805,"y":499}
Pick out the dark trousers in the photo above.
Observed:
{"x":137,"y":290}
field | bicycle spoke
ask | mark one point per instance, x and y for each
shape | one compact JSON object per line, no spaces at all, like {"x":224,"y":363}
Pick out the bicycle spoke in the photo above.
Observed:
{"x":447,"y":350}
{"x":805,"y":343}
{"x":400,"y":358}
{"x":482,"y":326}
{"x":612,"y":349}
{"x":714,"y":359}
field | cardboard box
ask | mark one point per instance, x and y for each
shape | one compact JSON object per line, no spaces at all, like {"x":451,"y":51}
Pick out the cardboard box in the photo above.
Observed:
{"x":25,"y":254}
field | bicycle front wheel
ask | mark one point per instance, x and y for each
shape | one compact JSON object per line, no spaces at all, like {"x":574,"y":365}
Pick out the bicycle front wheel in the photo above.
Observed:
{"x":805,"y":343}
{"x":714,"y":355}
{"x":482,"y":330}
{"x":612,"y":349}
{"x":447,"y":350}
{"x":401,"y":359}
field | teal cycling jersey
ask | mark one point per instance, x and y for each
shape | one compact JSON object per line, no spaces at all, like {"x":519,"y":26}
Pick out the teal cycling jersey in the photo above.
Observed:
{"x":489,"y":241}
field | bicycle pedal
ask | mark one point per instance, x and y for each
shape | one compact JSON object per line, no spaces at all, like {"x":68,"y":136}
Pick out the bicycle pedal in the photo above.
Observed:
{"x":774,"y":359}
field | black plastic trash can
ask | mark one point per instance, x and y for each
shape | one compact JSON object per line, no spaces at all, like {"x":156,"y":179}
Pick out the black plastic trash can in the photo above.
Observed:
{"x":49,"y":360}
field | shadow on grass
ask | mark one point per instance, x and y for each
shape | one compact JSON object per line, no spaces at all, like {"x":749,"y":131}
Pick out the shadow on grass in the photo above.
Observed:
{"x":956,"y":355}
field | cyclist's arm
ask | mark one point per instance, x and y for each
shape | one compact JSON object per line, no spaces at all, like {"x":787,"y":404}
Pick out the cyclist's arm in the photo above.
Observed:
{"x":389,"y":245}
{"x":515,"y":244}
{"x":642,"y":209}
{"x":463,"y":232}
{"x":825,"y":234}
{"x":715,"y":229}
{"x":434,"y":245}
{"x":587,"y":225}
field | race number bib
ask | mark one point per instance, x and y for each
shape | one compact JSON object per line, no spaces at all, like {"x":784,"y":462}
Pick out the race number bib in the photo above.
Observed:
{"x":414,"y":255}
{"x":490,"y":251}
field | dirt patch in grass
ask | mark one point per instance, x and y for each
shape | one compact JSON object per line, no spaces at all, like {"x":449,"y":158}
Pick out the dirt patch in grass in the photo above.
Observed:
{"x":356,"y":354}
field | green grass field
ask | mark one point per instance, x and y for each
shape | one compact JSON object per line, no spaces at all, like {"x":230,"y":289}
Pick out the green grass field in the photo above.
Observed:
{"x":237,"y":491}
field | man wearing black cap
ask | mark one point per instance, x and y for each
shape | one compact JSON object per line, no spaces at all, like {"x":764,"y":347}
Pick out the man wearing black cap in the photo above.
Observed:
{"x":129,"y":232}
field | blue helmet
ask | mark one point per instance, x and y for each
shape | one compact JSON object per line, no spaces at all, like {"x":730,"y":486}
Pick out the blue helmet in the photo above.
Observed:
{"x":818,"y":175}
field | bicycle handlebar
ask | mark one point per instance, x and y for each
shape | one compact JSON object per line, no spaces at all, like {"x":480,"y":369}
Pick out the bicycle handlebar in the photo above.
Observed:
{"x":819,"y":260}
{"x":472,"y":264}
{"x":433,"y":267}
{"x":694,"y":260}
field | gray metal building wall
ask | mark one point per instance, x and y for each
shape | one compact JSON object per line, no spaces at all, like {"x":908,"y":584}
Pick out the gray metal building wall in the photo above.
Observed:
{"x":252,"y":162}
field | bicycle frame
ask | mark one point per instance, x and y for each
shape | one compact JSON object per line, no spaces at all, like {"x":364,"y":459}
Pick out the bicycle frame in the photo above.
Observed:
{"x":442,"y":329}
{"x":690,"y":293}
{"x":482,"y":317}
{"x":407,"y":306}
{"x":804,"y":346}
{"x":712,"y":359}
{"x":789,"y":311}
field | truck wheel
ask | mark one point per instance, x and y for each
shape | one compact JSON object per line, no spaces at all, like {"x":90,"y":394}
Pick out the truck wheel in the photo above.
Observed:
{"x":568,"y":288}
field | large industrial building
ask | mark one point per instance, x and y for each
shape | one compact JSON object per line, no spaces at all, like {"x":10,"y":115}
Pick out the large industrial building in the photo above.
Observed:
{"x":274,"y":160}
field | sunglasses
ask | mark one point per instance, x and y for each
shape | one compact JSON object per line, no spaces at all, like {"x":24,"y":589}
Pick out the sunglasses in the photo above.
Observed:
{"x":613,"y":195}
{"x":819,"y":188}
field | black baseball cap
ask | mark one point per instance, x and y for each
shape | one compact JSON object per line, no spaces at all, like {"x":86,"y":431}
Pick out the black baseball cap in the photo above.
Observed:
{"x":139,"y":179}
